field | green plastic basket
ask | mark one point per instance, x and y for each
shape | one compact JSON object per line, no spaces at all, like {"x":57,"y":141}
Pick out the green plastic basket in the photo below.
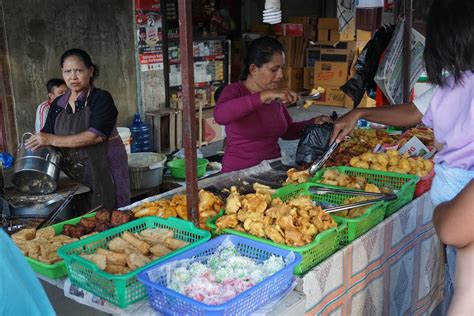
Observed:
{"x":324,"y":245}
{"x":122,"y":290}
{"x":58,"y":269}
{"x":401,"y":184}
{"x":355,"y":227}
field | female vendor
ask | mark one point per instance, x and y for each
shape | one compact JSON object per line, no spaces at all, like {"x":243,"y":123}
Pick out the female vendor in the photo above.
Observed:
{"x":82,"y":124}
{"x":253,"y":110}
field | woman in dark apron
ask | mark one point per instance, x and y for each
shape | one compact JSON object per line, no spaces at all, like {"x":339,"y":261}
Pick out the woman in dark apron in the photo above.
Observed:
{"x":82,"y":123}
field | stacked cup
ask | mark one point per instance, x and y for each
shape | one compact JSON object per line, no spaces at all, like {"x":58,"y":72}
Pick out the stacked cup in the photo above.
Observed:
{"x":272,"y":12}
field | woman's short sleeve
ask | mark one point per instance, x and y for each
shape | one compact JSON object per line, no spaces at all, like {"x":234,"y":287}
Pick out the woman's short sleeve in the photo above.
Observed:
{"x":104,"y":113}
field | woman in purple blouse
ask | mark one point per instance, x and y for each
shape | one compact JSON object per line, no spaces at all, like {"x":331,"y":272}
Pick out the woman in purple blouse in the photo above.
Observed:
{"x":253,"y":109}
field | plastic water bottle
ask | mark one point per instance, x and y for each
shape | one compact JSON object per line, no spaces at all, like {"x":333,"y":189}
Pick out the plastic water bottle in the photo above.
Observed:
{"x":141,"y":135}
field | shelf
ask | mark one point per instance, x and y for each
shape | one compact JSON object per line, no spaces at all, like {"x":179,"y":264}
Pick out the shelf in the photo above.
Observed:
{"x":202,"y":84}
{"x":199,"y":58}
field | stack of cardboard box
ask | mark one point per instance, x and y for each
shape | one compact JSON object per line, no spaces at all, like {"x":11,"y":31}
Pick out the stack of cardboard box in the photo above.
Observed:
{"x":329,"y":63}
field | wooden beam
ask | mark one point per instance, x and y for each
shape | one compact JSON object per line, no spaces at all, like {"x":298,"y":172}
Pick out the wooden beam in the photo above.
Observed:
{"x":189,"y":111}
{"x":406,"y":73}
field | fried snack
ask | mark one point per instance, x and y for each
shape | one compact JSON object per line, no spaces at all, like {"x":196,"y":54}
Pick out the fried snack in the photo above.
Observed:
{"x":142,"y":246}
{"x":99,"y":260}
{"x":136,"y":260}
{"x":227,"y":221}
{"x":174,"y":244}
{"x":24,"y":234}
{"x":113,"y":257}
{"x":156,"y":235}
{"x":159,"y":250}
{"x":46,"y":233}
{"x":232,"y":203}
{"x":23,"y":246}
{"x":103,"y":216}
{"x":116,"y":269}
{"x":274,"y":234}
{"x":118,"y":218}
{"x":119,"y":245}
{"x":88,"y":224}
{"x":295,"y":177}
{"x":88,"y":235}
{"x":178,"y":202}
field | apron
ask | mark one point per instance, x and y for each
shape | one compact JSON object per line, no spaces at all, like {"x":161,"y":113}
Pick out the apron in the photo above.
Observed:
{"x":90,"y":165}
{"x":447,"y":183}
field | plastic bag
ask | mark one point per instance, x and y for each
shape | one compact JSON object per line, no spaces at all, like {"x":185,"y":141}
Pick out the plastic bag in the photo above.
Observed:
{"x":367,"y":65}
{"x":314,"y":143}
{"x":6,"y":160}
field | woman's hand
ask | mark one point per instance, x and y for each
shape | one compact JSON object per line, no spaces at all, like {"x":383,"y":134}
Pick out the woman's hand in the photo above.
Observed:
{"x":322,"y":119}
{"x":283,"y":95}
{"x":39,"y":140}
{"x":345,"y":125}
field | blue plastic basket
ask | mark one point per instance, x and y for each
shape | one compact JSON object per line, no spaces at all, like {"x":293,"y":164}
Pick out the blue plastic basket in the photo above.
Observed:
{"x":170,"y":302}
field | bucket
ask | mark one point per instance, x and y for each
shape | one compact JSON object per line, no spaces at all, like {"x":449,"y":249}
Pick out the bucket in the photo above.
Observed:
{"x":126,"y":136}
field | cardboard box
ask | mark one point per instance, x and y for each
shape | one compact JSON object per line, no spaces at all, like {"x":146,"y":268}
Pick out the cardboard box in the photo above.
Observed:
{"x":294,"y":48}
{"x":292,"y":78}
{"x":313,"y":55}
{"x":339,"y":53}
{"x":330,"y":73}
{"x":328,"y":31}
{"x":290,"y":29}
{"x":211,"y":131}
{"x":308,"y":78}
{"x":332,"y":96}
{"x":366,"y":102}
{"x":362,"y":37}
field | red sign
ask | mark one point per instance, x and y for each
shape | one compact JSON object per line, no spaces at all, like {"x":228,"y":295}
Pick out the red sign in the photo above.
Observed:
{"x":147,"y":5}
{"x":146,"y":59}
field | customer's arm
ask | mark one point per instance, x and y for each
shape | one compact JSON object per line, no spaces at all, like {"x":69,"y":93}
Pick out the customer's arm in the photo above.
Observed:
{"x":395,"y":115}
{"x":454,"y":220}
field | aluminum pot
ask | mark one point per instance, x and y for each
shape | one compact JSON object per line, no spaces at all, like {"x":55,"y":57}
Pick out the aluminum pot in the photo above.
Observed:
{"x":145,"y":170}
{"x":36,"y":172}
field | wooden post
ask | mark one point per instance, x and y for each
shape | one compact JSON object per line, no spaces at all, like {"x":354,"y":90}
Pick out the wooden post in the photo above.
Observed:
{"x":406,"y":73}
{"x":189,"y":111}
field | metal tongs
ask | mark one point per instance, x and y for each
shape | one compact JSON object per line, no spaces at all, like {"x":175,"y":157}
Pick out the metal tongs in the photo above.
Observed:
{"x":318,"y":164}
{"x":378,"y":197}
{"x":55,"y":213}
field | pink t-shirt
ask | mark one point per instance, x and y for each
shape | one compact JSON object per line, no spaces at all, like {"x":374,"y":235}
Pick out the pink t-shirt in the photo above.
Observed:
{"x":252,"y":127}
{"x":451,"y":115}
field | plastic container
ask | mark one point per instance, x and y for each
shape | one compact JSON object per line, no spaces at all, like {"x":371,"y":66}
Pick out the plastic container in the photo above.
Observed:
{"x":170,"y":302}
{"x":145,"y":170}
{"x":424,"y":185}
{"x":401,"y":184}
{"x":323,"y":245}
{"x":141,"y":135}
{"x":126,"y":137}
{"x":122,"y":290}
{"x":355,"y":227}
{"x":178,"y":167}
{"x":58,"y":269}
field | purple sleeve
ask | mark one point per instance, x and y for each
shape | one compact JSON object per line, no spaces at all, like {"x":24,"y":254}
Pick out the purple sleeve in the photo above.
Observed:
{"x":295,"y":129}
{"x":427,"y":118}
{"x":233,"y":106}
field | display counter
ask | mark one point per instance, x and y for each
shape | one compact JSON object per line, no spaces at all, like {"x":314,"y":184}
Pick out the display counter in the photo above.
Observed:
{"x":396,"y":268}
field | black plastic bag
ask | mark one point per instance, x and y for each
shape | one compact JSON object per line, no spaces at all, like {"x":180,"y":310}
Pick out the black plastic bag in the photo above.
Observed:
{"x":367,"y":65}
{"x":314,"y":143}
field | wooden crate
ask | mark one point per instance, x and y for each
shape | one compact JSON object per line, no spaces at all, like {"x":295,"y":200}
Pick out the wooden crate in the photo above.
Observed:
{"x":167,"y":127}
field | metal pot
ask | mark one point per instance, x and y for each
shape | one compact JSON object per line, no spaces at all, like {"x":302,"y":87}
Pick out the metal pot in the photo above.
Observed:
{"x":36,"y":172}
{"x":145,"y":170}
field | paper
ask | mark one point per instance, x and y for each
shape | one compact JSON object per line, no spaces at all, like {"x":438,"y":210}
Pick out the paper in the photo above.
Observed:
{"x":389,"y":73}
{"x":415,"y":148}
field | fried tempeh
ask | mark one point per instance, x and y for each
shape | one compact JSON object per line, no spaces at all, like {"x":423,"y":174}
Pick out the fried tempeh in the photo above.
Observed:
{"x":113,"y":257}
{"x":142,"y":246}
